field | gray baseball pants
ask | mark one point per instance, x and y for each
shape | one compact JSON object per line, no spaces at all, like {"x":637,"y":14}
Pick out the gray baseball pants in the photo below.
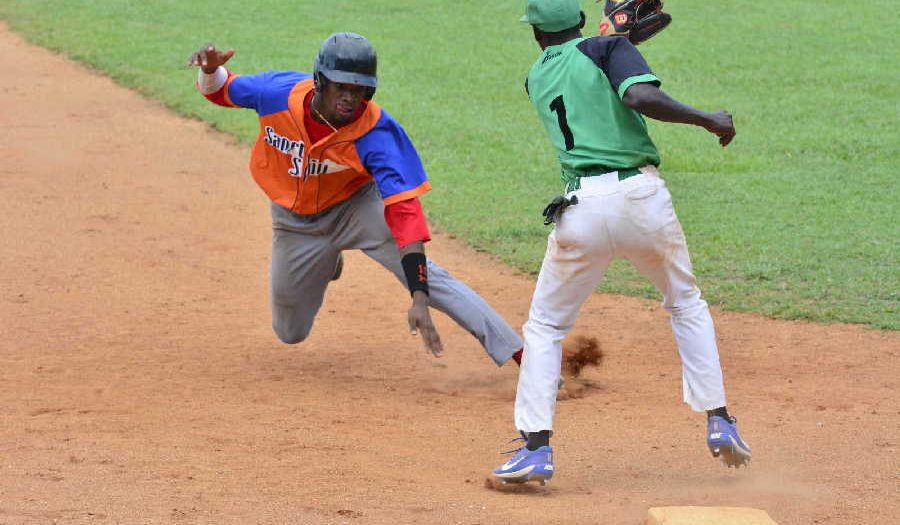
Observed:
{"x":305,"y":250}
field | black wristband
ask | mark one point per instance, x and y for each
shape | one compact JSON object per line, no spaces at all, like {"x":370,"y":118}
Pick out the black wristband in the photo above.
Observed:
{"x":416,"y":271}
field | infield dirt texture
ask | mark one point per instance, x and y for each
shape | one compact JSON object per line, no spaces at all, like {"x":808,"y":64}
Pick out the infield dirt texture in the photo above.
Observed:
{"x":140,"y":381}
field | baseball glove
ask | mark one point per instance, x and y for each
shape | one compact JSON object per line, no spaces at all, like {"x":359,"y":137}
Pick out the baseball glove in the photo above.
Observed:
{"x":638,"y":20}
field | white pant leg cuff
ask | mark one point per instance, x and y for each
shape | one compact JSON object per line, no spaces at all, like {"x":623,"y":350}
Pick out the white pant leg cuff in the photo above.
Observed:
{"x":698,"y":406}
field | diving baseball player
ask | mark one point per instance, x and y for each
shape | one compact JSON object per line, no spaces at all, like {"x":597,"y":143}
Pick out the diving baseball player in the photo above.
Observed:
{"x":590,"y":94}
{"x":342,"y":174}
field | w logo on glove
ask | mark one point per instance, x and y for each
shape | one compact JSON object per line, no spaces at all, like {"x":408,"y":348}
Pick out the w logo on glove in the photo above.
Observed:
{"x":621,"y":18}
{"x":637,"y":20}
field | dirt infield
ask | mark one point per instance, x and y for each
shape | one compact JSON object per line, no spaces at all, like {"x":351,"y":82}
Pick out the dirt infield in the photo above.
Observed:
{"x":140,"y":381}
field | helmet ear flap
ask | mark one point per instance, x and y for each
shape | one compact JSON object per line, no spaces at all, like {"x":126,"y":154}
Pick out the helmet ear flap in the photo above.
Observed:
{"x":317,"y":73}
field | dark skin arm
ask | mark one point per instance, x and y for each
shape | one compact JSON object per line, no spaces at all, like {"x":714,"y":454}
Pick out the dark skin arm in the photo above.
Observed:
{"x":419,"y":317}
{"x":653,"y":102}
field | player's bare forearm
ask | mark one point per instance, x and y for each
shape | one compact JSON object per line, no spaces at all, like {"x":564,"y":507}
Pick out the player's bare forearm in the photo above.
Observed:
{"x":653,"y":102}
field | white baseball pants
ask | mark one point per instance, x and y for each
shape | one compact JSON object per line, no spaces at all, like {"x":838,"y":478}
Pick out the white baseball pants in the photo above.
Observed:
{"x":633,"y":219}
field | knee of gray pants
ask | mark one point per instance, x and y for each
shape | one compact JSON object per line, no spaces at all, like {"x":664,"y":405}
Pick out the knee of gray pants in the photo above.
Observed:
{"x":290,"y":330}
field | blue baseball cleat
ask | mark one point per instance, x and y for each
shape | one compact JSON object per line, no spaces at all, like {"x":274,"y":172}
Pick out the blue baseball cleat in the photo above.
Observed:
{"x":526,"y":465}
{"x":725,"y":443}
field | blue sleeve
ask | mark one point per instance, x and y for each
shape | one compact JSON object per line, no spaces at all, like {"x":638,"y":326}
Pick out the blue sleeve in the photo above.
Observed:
{"x":389,"y":155}
{"x":266,"y":92}
{"x":620,"y":61}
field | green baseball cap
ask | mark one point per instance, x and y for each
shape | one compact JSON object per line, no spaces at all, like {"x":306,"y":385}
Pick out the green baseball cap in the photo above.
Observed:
{"x":551,"y":16}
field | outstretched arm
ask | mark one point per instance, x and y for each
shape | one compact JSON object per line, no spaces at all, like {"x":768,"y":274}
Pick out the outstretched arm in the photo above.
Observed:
{"x":213,"y":77}
{"x":653,"y":102}
{"x":389,"y":155}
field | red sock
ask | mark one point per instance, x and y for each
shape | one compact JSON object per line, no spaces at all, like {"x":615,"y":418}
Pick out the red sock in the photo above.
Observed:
{"x":517,"y":357}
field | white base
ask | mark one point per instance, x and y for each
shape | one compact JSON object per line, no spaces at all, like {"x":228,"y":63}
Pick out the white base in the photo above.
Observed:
{"x":707,"y":516}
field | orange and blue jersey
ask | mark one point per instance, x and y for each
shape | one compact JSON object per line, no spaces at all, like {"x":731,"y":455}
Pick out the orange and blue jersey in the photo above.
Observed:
{"x":309,"y":177}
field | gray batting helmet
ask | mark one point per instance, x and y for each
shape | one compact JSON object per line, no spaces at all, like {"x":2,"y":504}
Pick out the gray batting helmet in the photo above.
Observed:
{"x":347,"y":58}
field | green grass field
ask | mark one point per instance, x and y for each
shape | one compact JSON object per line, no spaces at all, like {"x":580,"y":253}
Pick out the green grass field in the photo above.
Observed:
{"x":797,"y":219}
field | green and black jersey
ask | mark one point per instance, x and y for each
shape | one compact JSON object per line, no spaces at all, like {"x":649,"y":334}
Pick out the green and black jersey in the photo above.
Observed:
{"x":577,"y":88}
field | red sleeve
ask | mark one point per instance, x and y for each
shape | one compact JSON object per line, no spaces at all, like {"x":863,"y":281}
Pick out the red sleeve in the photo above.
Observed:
{"x":220,"y":97}
{"x":406,"y":221}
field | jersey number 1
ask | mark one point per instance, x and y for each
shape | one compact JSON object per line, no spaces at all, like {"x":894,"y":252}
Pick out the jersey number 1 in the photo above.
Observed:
{"x":559,"y":107}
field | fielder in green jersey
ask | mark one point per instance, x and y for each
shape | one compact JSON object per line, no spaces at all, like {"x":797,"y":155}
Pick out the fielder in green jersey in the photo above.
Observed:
{"x":577,"y":87}
{"x":592,"y":95}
